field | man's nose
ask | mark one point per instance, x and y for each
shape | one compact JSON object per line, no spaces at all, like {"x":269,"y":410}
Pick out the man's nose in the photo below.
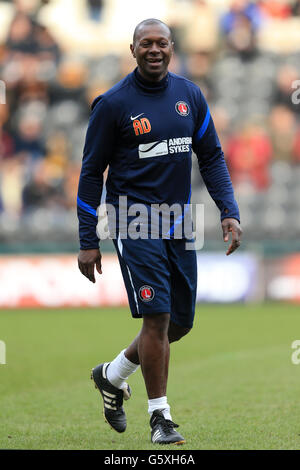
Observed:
{"x":154,"y":48}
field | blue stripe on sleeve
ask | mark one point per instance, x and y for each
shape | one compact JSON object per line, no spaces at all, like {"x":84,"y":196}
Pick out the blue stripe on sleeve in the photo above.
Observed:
{"x":204,"y":126}
{"x":86,"y":207}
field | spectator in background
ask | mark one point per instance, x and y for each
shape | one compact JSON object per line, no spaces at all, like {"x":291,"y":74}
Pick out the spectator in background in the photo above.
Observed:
{"x":95,"y":9}
{"x":57,"y":158}
{"x":70,"y":83}
{"x":296,"y":8}
{"x":282,"y":132}
{"x":275,"y":9}
{"x":30,"y":61}
{"x":241,"y":39}
{"x":238,"y":9}
{"x":239,"y":26}
{"x":28,"y":137}
{"x":41,"y":190}
{"x":21,"y":35}
{"x":249,"y":154}
{"x":27,"y":36}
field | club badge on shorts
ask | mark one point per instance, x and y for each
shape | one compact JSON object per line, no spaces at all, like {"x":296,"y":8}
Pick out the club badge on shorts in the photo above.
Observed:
{"x":146,"y":293}
{"x":182,"y":108}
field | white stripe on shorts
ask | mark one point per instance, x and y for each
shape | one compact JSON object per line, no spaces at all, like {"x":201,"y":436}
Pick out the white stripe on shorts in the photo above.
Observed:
{"x":120,"y":246}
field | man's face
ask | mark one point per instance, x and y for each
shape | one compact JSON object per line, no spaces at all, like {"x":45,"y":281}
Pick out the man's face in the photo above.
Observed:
{"x":152,"y":50}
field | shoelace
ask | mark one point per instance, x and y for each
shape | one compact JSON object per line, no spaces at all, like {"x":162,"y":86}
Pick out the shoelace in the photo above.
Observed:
{"x":172,"y":424}
{"x":167,"y":424}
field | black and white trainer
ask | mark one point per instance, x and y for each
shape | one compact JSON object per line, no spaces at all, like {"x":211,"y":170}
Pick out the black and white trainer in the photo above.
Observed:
{"x":162,"y":430}
{"x":113,"y":411}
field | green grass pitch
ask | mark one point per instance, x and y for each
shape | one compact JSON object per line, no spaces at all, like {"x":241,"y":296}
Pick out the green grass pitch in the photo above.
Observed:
{"x":232,"y":384}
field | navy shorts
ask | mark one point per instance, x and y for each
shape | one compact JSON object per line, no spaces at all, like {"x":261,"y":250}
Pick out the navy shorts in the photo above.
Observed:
{"x":160,"y":276}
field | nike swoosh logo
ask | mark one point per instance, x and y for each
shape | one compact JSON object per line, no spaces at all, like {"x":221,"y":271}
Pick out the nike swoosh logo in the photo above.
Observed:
{"x":135,"y":117}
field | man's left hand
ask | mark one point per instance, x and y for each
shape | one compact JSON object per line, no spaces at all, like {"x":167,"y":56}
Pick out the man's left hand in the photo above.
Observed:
{"x":233,"y":226}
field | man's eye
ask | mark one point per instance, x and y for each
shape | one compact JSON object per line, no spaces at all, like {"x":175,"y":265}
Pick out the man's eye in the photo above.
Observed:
{"x":163,"y":44}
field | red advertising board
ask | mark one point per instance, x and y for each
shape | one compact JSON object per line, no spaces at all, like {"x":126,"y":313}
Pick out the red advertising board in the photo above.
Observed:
{"x":54,"y":281}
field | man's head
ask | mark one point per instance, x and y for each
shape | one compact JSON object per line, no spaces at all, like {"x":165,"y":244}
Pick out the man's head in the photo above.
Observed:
{"x":152,"y":48}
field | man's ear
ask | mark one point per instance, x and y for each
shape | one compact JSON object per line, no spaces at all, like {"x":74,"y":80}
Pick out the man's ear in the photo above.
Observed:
{"x":132,"y":50}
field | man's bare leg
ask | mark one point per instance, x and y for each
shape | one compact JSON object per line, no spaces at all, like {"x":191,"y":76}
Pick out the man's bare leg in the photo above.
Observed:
{"x":175,"y":333}
{"x":153,"y":352}
{"x":150,"y":349}
{"x":152,"y":346}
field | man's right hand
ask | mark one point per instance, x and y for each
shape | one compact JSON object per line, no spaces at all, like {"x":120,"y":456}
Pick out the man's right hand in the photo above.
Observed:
{"x":87,"y":259}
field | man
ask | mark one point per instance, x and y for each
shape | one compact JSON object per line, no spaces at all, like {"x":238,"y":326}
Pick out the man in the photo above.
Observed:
{"x":134,"y":128}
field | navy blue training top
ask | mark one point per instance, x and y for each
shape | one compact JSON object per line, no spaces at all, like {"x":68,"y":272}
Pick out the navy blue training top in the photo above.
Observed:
{"x":145,"y":132}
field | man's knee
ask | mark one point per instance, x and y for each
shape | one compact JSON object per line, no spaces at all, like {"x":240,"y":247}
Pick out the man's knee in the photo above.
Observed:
{"x":176,"y":332}
{"x":157,"y":324}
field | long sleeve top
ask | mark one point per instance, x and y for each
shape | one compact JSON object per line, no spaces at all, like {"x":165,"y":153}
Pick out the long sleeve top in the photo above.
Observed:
{"x":146,"y":133}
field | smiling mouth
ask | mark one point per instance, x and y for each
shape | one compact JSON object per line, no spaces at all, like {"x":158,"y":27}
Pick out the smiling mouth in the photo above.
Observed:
{"x":154,"y":61}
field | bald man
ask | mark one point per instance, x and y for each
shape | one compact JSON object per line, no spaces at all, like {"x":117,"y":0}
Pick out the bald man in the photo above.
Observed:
{"x":145,"y":129}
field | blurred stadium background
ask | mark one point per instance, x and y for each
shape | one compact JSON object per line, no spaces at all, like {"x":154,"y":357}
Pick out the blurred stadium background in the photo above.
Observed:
{"x":57,"y":55}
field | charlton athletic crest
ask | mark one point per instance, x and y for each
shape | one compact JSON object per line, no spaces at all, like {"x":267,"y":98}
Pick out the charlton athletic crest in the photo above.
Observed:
{"x":182,"y":108}
{"x":146,"y":293}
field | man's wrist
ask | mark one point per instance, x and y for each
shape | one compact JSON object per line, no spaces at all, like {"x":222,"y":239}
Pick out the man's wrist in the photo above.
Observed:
{"x":230,"y":217}
{"x":89,"y":248}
